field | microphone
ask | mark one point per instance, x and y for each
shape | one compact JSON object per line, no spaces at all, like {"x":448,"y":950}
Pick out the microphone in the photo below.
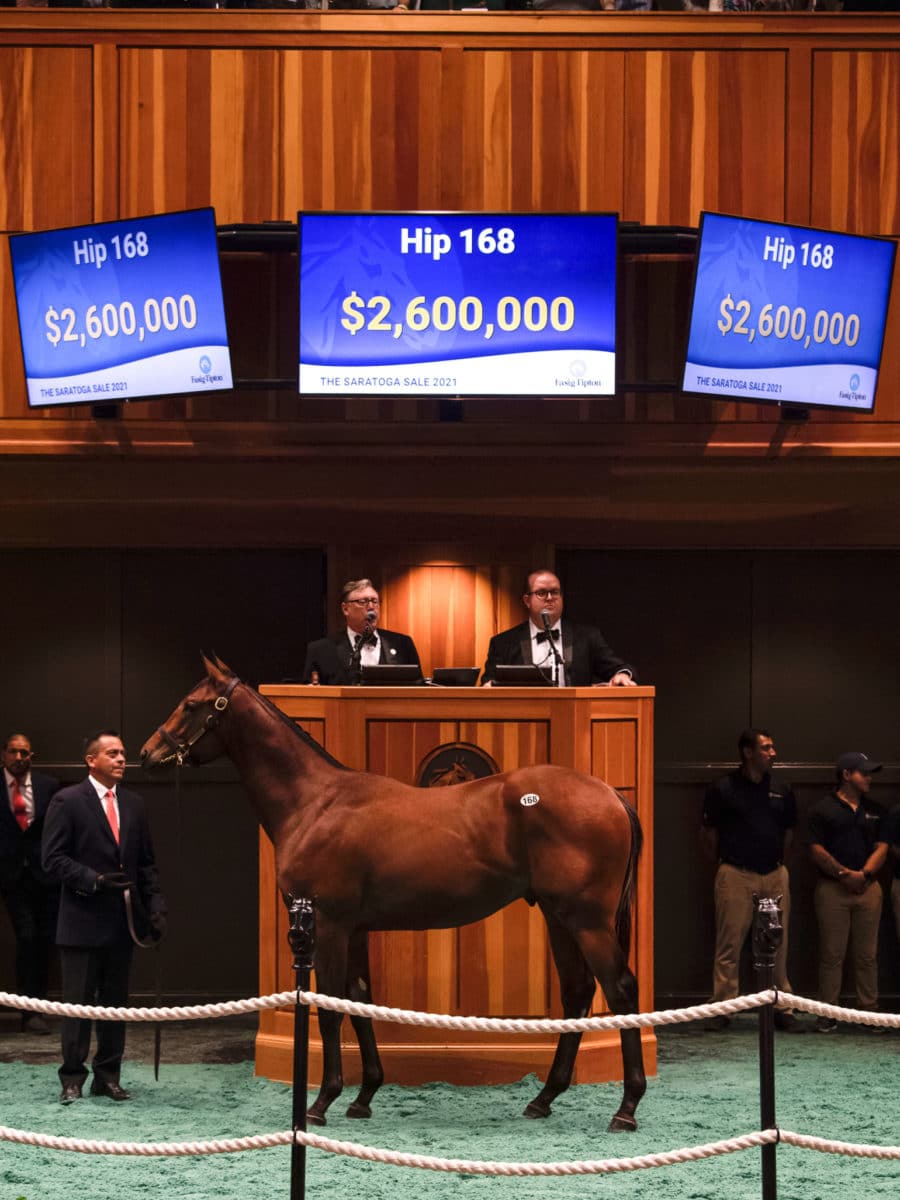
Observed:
{"x":545,"y":617}
{"x":368,"y":634}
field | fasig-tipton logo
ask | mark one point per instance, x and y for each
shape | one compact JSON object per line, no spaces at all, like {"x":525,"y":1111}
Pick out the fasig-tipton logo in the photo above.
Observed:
{"x":855,"y":396}
{"x":205,"y":365}
{"x":577,"y":378}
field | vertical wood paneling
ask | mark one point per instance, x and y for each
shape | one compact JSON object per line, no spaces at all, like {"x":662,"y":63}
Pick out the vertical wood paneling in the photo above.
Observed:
{"x":46,"y":134}
{"x":694,"y":138}
{"x":541,"y":130}
{"x":614,"y":753}
{"x":856,"y":118}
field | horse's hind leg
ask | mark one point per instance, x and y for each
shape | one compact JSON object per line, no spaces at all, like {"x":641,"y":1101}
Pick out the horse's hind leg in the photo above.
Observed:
{"x":359,"y":989}
{"x":577,"y":990}
{"x":331,"y":977}
{"x":620,"y":989}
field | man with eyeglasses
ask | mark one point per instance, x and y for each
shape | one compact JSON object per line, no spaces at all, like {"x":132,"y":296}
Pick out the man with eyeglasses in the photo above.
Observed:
{"x":582,"y":655}
{"x":31,"y":897}
{"x":339,"y":660}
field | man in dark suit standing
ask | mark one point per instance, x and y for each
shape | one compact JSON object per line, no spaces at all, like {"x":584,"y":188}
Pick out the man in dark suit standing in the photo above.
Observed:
{"x":584,"y":657}
{"x":30,"y":896}
{"x":339,"y":659}
{"x":97,"y":844}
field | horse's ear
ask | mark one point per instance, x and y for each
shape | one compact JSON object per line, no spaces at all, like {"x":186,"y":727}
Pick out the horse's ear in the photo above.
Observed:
{"x":214,"y":665}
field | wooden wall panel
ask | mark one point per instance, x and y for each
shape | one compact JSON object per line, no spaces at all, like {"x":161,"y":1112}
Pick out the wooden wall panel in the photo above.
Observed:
{"x":261,"y":133}
{"x":855,"y":161}
{"x":543,"y":130}
{"x":46,"y":134}
{"x":705,"y":129}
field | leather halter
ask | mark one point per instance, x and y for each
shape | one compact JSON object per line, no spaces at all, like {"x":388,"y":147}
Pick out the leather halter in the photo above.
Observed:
{"x":181,"y":749}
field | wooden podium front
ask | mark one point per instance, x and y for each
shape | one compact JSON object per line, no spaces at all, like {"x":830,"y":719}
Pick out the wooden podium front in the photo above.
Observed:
{"x":499,"y":967}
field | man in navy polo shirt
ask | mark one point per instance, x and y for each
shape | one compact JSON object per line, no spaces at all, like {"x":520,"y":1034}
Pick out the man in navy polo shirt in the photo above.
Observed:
{"x":747,"y":824}
{"x":848,"y":850}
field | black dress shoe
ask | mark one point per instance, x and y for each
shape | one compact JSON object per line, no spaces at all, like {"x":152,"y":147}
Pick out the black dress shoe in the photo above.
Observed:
{"x":107,"y":1087}
{"x":70,"y":1092}
{"x":787,"y":1022}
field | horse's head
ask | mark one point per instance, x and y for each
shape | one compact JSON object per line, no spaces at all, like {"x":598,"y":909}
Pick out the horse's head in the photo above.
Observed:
{"x":191,"y":733}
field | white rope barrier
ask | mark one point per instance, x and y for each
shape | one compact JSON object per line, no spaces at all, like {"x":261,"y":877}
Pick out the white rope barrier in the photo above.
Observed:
{"x":378,"y":1012}
{"x":444,"y":1021}
{"x":397,"y":1158}
{"x":464,"y":1166}
{"x":856,"y":1016}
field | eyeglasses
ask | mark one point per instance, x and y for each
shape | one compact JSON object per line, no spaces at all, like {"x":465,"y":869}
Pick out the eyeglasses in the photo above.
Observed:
{"x":19,"y":753}
{"x":366,"y":602}
{"x":546,"y":593}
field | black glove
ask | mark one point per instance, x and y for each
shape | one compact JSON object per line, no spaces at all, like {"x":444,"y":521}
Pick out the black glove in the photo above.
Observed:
{"x":115,"y":881}
{"x":158,"y":925}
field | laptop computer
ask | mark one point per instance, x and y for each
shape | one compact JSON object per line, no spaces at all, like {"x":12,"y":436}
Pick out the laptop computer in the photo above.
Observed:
{"x":521,"y":675}
{"x":455,"y":676}
{"x":380,"y":674}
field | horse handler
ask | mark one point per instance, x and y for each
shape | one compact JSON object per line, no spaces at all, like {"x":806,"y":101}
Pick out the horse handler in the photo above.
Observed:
{"x":97,"y":844}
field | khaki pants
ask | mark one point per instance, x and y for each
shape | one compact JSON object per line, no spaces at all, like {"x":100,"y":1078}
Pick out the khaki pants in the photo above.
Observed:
{"x":734,"y":892}
{"x":844,"y":917}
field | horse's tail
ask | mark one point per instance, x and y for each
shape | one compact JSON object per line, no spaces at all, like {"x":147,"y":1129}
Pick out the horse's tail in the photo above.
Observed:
{"x":629,"y":885}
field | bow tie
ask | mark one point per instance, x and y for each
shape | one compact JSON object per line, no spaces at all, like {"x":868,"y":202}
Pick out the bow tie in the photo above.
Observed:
{"x":547,"y":634}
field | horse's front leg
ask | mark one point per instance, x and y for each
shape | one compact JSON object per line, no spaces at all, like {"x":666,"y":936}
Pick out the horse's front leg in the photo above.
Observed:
{"x":331,"y":978}
{"x":359,"y":989}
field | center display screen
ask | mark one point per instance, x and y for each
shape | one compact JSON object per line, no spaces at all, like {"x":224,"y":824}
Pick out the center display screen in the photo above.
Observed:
{"x":457,"y":304}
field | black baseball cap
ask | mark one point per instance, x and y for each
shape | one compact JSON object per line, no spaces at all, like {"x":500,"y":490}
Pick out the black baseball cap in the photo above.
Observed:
{"x":855,"y":761}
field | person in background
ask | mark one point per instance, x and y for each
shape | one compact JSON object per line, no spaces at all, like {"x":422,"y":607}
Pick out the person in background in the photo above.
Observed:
{"x":890,"y":833}
{"x":586,"y":658}
{"x":848,"y":850}
{"x":748,"y":822}
{"x":30,"y":896}
{"x":339,"y":659}
{"x":97,"y":845}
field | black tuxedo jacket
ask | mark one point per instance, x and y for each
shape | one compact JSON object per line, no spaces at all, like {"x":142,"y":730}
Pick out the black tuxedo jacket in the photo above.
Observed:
{"x":331,"y":656}
{"x":79,"y":846}
{"x":20,"y":851}
{"x":586,"y":656}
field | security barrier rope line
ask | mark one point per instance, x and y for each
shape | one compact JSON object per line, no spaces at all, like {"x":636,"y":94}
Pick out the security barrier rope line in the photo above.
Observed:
{"x":697,"y":1012}
{"x":429,"y":1162}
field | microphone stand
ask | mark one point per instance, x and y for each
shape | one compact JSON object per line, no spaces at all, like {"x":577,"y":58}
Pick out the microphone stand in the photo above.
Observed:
{"x":361,"y":639}
{"x":557,"y":657}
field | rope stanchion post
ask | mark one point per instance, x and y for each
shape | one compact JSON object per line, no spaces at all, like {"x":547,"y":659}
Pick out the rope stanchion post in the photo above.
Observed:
{"x":302,"y":938}
{"x":767,"y":935}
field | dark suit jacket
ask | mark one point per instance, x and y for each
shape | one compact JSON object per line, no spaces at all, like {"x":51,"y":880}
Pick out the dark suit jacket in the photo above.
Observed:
{"x":331,"y":656}
{"x":20,"y":852}
{"x":79,"y":846}
{"x":587,"y":657}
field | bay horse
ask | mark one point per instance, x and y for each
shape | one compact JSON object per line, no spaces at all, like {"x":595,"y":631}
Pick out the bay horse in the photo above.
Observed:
{"x":375,"y":854}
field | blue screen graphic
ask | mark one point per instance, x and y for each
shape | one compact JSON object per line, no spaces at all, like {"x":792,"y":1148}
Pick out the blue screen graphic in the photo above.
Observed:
{"x":122,"y":309}
{"x":457,"y":304}
{"x":787,"y":314}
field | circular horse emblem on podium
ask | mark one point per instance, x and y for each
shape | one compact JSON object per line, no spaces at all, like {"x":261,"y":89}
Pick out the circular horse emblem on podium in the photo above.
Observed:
{"x":455,"y":762}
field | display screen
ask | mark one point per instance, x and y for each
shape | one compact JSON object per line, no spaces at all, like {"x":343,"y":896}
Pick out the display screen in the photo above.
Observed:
{"x":787,"y":315}
{"x":457,"y":304}
{"x":121,"y":310}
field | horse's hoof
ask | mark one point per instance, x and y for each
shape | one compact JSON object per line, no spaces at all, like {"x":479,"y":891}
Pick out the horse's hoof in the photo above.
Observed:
{"x":537,"y":1108}
{"x":361,"y":1112}
{"x":620,"y":1124}
{"x":315,"y":1118}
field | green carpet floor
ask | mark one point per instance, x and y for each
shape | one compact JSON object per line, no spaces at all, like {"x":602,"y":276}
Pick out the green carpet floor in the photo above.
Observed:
{"x":842,"y":1086}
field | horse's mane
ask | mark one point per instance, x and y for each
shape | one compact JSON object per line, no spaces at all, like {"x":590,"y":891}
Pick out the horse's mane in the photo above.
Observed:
{"x":295,"y":729}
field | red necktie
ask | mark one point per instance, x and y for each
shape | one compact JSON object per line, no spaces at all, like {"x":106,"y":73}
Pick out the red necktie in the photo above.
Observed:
{"x":109,"y":803}
{"x":20,"y":808}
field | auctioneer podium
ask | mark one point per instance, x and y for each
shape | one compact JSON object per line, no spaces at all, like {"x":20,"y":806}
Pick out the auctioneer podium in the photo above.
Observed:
{"x":498,"y":967}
